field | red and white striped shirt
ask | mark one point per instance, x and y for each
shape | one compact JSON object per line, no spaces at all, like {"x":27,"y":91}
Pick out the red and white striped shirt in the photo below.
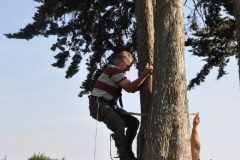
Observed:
{"x":108,"y":82}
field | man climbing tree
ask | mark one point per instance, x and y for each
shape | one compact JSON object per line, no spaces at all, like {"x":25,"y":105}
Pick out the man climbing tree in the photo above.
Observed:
{"x":102,"y":27}
{"x":103,"y":102}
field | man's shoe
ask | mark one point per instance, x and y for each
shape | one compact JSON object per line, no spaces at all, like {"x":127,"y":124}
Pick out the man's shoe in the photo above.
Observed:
{"x":131,"y":154}
{"x":123,"y":154}
{"x":127,"y":158}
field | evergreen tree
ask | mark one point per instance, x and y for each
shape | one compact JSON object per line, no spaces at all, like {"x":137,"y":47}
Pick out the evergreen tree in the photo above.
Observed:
{"x":145,"y":41}
{"x":98,"y":28}
{"x":237,"y":17}
{"x":94,"y":27}
{"x":164,"y":133}
{"x":212,"y":35}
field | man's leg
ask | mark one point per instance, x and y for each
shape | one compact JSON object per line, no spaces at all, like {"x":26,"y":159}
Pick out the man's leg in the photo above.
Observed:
{"x":132,"y":124}
{"x":115,"y":123}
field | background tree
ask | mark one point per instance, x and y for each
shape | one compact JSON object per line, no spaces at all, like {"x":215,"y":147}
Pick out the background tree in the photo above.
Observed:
{"x":237,"y":17}
{"x":40,"y":157}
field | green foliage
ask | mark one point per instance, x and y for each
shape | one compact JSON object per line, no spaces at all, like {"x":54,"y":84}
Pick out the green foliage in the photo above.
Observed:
{"x":98,"y":28}
{"x":215,"y":40}
{"x":94,"y":27}
{"x":40,"y":157}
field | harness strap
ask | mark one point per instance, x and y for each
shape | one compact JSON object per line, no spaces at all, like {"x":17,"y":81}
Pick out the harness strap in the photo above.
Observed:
{"x":114,"y":106}
{"x":118,"y":95}
{"x":120,"y":101}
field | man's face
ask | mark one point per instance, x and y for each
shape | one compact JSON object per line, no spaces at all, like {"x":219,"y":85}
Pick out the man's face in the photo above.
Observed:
{"x":127,"y":65}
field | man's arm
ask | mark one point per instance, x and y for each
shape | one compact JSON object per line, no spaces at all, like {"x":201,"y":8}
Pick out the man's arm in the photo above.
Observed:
{"x":129,"y":86}
{"x":195,"y":142}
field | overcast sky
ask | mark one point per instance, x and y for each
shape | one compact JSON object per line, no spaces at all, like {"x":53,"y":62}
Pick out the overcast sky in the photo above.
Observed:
{"x":41,"y":112}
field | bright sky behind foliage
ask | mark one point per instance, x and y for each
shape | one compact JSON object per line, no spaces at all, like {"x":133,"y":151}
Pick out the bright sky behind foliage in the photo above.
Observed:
{"x":41,"y":112}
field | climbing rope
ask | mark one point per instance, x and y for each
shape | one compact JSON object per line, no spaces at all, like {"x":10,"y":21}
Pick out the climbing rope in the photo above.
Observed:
{"x":96,"y":131}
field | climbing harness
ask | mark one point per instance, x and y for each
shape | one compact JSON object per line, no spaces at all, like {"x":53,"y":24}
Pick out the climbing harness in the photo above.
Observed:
{"x":114,"y":106}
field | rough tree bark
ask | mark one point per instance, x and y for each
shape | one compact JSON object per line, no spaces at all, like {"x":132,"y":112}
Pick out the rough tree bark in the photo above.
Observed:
{"x":145,"y":41}
{"x":237,"y":17}
{"x":166,"y":135}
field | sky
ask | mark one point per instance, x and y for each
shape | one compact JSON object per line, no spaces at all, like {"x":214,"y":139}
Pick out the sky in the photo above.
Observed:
{"x":40,"y":111}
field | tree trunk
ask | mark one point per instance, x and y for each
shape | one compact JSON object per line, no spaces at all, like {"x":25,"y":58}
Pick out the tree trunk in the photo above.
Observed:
{"x":167,"y":133}
{"x":237,"y":18}
{"x":145,"y":41}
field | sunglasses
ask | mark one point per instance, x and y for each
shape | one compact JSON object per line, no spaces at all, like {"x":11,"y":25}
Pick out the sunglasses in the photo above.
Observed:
{"x":128,"y":65}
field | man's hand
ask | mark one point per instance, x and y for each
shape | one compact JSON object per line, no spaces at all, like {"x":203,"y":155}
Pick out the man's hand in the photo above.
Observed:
{"x":148,"y":69}
{"x":196,"y":121}
{"x":129,"y":86}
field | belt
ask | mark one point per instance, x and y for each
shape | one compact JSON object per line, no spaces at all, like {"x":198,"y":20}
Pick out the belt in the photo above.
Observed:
{"x":94,"y":98}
